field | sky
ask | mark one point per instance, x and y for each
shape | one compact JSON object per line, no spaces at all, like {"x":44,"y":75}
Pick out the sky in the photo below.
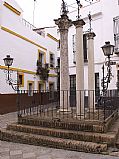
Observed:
{"x":45,"y":11}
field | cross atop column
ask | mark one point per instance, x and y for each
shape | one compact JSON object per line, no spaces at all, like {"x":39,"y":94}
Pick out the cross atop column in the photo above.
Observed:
{"x":64,"y":9}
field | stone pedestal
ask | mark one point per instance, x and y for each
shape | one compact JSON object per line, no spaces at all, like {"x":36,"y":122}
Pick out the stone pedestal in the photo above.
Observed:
{"x":64,"y":23}
{"x":79,"y":67}
{"x":91,"y":71}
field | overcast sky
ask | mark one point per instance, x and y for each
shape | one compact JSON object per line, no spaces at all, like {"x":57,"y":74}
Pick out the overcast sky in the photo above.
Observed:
{"x":45,"y":11}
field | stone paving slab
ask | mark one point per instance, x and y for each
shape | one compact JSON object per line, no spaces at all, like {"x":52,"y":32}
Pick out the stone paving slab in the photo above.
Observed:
{"x":4,"y":151}
{"x":29,"y":155}
{"x":5,"y":157}
{"x":16,"y":154}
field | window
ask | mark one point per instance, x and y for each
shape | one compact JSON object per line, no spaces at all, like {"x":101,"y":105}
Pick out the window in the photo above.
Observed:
{"x":58,"y":45}
{"x":52,"y":60}
{"x":41,"y":86}
{"x":41,"y":57}
{"x":30,"y":88}
{"x":118,"y":75}
{"x":21,"y":79}
{"x":84,"y":48}
{"x":51,"y":90}
{"x":72,"y":82}
{"x":73,"y":90}
{"x":117,"y":79}
{"x":116,"y":33}
{"x":74,"y":48}
{"x":58,"y":62}
{"x":97,"y":84}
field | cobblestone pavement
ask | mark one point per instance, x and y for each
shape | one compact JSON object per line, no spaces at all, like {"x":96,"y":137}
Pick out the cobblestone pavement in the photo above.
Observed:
{"x":10,"y":150}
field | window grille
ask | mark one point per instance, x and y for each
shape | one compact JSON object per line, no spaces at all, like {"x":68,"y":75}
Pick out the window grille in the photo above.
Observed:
{"x":116,"y":33}
{"x":52,"y":60}
{"x":97,"y":84}
{"x":84,"y":48}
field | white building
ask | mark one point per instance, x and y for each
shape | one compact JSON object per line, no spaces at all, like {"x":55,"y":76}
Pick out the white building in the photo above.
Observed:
{"x":26,"y":46}
{"x":105,"y":24}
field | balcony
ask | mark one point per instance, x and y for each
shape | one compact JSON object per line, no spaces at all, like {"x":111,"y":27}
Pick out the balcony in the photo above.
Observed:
{"x":42,"y":70}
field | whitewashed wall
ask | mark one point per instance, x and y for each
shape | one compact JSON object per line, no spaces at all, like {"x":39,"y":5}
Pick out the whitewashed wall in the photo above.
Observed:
{"x":25,"y":54}
{"x":102,"y":13}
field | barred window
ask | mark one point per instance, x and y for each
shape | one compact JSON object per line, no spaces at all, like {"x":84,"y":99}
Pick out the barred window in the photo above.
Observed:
{"x":41,"y":58}
{"x":116,"y":33}
{"x":97,"y":84}
{"x":52,"y":60}
{"x":84,"y":48}
{"x":21,"y":79}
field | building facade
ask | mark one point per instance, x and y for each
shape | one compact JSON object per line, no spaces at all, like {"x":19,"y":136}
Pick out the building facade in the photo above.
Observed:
{"x":105,"y":24}
{"x":28,"y":46}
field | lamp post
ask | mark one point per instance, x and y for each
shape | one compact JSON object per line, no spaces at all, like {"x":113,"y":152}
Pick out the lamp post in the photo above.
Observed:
{"x":108,"y":50}
{"x":13,"y":83}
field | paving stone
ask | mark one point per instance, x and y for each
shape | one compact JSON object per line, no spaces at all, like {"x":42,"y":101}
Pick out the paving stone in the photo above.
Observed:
{"x":16,"y":154}
{"x":4,"y":151}
{"x":0,"y":142}
{"x":45,"y":157}
{"x":114,"y":154}
{"x":5,"y":157}
{"x":16,"y":157}
{"x":29,"y":156}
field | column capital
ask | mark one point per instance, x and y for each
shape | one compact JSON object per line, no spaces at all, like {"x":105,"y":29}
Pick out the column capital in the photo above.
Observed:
{"x":63,"y":23}
{"x":91,"y":35}
{"x":79,"y":23}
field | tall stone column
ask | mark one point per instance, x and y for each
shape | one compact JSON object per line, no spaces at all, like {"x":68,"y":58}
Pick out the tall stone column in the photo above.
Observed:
{"x":91,"y":71}
{"x":79,"y":67}
{"x":64,"y":23}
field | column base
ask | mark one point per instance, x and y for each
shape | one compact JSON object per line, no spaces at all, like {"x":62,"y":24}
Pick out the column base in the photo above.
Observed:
{"x":64,"y":111}
{"x":91,"y":110}
{"x":79,"y":116}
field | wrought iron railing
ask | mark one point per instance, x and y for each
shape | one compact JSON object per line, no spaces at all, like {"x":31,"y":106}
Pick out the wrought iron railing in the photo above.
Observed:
{"x":27,"y":24}
{"x":64,"y":104}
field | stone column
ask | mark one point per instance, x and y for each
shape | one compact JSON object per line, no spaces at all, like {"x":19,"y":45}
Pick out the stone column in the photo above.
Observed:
{"x":91,"y":71}
{"x":64,"y":23}
{"x":79,"y":67}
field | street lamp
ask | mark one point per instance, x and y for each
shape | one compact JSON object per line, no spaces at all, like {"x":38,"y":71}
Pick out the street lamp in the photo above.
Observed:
{"x":108,"y":50}
{"x":13,"y":83}
{"x":8,"y":60}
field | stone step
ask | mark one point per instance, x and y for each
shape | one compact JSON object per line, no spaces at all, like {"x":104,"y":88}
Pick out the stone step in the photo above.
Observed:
{"x":33,"y":139}
{"x":78,"y":125}
{"x":108,"y":138}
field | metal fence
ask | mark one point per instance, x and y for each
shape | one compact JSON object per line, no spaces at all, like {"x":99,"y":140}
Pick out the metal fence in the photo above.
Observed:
{"x":86,"y":105}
